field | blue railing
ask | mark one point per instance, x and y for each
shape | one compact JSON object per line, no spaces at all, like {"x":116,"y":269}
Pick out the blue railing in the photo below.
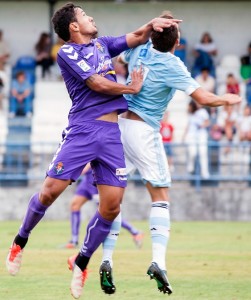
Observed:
{"x":25,"y":161}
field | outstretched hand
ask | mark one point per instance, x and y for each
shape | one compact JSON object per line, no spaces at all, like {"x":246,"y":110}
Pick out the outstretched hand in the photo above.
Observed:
{"x":232,"y":99}
{"x":137,"y":79}
{"x":158,"y":24}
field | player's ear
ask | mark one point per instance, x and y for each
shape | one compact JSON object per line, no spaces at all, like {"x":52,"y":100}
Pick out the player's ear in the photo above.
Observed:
{"x":74,"y":26}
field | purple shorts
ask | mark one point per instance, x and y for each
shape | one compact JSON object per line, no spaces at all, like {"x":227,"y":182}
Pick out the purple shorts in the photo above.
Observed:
{"x":98,"y":142}
{"x":85,"y":187}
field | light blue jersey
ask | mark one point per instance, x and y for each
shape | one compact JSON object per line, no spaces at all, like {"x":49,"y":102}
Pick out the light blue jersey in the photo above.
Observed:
{"x":164,"y":73}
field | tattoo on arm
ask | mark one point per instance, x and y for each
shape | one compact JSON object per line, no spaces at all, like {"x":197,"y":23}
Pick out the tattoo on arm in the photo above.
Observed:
{"x":92,"y":79}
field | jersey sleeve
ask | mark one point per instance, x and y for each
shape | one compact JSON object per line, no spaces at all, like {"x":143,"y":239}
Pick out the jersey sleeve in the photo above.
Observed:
{"x":178,"y":77}
{"x":125,"y":56}
{"x":70,"y":60}
{"x":115,"y":45}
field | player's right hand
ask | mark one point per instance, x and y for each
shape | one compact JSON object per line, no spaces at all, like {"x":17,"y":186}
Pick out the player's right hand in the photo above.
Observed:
{"x":232,"y":99}
{"x":136,"y":79}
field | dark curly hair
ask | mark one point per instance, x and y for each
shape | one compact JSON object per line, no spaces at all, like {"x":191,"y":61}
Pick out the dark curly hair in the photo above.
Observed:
{"x":165,"y":40}
{"x":62,"y":18}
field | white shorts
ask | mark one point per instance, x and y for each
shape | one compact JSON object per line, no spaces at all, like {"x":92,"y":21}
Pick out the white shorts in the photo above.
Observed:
{"x":144,"y":150}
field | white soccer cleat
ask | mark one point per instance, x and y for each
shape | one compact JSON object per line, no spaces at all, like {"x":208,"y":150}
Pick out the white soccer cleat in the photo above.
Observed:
{"x":77,"y":282}
{"x":14,"y":259}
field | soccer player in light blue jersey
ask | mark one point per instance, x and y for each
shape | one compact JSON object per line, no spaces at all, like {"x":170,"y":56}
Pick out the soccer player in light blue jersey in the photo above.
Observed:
{"x":164,"y":73}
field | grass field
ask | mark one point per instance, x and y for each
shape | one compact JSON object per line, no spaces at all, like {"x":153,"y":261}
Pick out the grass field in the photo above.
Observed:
{"x":206,"y":261}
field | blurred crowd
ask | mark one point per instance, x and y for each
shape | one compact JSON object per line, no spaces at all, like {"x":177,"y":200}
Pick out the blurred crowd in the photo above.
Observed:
{"x":231,"y":75}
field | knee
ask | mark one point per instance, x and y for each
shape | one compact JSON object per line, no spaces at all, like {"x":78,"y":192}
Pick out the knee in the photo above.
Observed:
{"x":110,"y":211}
{"x":47,"y":197}
{"x":75,"y":205}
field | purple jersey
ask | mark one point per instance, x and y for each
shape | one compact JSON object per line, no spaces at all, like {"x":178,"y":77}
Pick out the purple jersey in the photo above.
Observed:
{"x":80,"y":61}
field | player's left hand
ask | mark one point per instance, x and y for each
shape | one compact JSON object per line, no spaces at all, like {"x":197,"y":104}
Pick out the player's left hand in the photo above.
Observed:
{"x":159,"y":24}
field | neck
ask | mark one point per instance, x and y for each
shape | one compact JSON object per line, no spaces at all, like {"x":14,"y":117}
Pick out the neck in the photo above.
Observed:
{"x":80,"y":39}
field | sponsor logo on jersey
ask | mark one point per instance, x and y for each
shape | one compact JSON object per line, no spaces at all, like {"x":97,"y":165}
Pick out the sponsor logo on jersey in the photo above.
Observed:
{"x":121,"y":171}
{"x":83,"y":65}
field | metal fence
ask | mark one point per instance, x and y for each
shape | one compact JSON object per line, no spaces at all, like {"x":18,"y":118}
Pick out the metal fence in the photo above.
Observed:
{"x":26,"y":162}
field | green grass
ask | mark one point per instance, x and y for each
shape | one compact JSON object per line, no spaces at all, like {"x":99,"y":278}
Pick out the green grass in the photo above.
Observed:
{"x":206,"y":261}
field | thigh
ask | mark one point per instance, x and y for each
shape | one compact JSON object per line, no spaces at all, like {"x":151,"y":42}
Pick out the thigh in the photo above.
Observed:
{"x":51,"y":189}
{"x":144,"y":147}
{"x":74,"y":152}
{"x":109,"y":166}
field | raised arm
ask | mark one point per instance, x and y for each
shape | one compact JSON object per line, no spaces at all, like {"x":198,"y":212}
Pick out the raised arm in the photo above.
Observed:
{"x":206,"y":98}
{"x":142,"y":34}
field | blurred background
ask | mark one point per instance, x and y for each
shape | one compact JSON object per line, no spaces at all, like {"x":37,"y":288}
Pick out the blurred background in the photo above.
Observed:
{"x":217,"y":184}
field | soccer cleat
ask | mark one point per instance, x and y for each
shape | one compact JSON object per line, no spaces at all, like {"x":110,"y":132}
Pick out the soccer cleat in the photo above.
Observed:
{"x":78,"y":279}
{"x":161,"y":278}
{"x":71,"y":262}
{"x":106,"y":280}
{"x":14,"y":259}
{"x":138,"y":239}
{"x":71,"y":245}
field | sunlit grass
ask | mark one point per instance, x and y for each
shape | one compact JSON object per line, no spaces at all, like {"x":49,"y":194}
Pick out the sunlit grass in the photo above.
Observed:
{"x":206,"y":261}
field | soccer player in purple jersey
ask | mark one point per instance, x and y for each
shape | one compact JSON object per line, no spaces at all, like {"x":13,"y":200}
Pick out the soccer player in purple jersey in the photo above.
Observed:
{"x":85,"y":192}
{"x":92,"y":134}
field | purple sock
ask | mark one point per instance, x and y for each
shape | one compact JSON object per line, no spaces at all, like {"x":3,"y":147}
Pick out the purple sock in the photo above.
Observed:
{"x":75,"y":224}
{"x":34,"y":214}
{"x":96,"y":232}
{"x":129,"y":227}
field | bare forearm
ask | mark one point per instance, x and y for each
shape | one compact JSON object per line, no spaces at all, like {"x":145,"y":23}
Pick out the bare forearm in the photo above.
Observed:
{"x":206,"y":98}
{"x":142,"y":34}
{"x":105,"y":86}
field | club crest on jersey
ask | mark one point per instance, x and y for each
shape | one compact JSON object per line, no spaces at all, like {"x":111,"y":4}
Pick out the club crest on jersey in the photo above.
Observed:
{"x":59,"y":168}
{"x":83,"y":65}
{"x":100,"y":47}
{"x":143,"y":53}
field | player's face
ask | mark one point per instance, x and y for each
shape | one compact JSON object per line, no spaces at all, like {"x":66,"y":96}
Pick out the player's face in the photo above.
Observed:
{"x":86,"y":24}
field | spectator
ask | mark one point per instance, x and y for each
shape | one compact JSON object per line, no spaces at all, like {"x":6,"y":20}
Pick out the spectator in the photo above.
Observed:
{"x":246,"y":73}
{"x":54,"y":52}
{"x":227,"y":121}
{"x":246,"y":59}
{"x":206,"y":80}
{"x":43,"y":53}
{"x":245,"y":125}
{"x":204,"y":52}
{"x":180,"y":50}
{"x":4,"y":51}
{"x":196,"y":137}
{"x":232,"y":85}
{"x":166,"y":131}
{"x":248,"y":91}
{"x":20,"y":100}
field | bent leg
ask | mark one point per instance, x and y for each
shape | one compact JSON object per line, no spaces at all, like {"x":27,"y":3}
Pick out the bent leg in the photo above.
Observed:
{"x":38,"y":205}
{"x":100,"y":225}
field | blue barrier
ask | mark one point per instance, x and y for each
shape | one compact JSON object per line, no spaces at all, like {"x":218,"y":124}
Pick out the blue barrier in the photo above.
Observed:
{"x":234,"y":166}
